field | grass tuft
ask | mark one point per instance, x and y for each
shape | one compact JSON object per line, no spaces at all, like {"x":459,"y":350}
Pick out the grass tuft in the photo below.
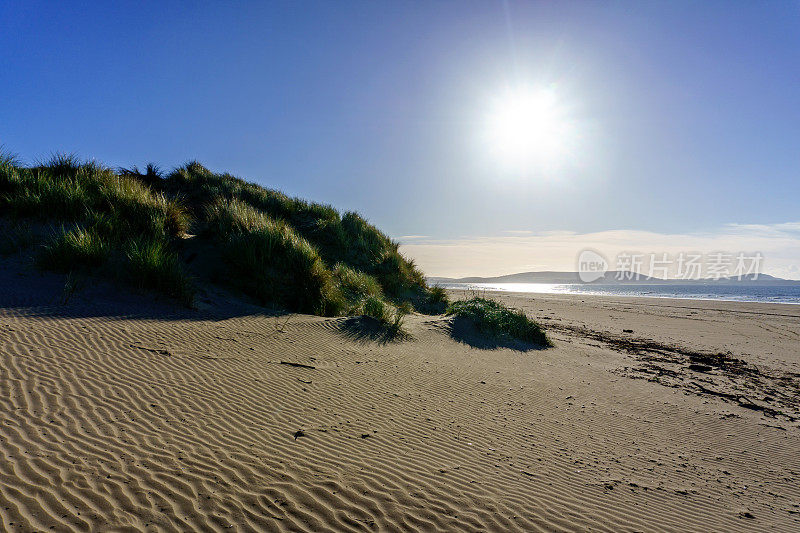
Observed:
{"x":389,"y":317}
{"x":495,"y":319}
{"x":376,"y":308}
{"x":437,"y":295}
{"x":227,"y":217}
{"x":75,"y":249}
{"x":63,"y":164}
{"x":151,"y":265}
{"x":435,"y":301}
{"x":152,"y":176}
{"x":8,"y":158}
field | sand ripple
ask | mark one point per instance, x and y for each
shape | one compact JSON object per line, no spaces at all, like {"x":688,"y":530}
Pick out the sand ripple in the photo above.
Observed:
{"x":142,"y":421}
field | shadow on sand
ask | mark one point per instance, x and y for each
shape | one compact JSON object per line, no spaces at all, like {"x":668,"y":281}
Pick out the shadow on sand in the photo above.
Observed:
{"x":27,"y":291}
{"x":368,"y":329}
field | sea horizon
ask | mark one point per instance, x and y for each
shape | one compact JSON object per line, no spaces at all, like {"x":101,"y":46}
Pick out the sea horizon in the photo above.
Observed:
{"x":749,"y":293}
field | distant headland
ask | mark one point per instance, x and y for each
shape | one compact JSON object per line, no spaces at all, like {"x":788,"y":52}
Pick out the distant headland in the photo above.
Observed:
{"x":613,"y":277}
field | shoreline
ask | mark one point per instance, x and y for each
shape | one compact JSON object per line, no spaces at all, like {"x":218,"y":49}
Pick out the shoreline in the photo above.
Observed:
{"x":755,"y":332}
{"x":606,"y":295}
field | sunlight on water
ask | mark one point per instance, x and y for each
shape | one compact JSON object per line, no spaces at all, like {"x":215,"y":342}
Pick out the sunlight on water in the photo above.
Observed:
{"x":789,"y":294}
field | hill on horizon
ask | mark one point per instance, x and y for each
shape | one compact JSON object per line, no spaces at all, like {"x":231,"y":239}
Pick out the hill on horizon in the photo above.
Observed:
{"x":610,"y":277}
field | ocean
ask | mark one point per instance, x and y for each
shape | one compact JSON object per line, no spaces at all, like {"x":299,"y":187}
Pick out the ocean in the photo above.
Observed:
{"x":785,"y":294}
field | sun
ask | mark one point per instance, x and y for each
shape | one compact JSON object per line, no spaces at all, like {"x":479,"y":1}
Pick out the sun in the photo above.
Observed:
{"x":528,"y":129}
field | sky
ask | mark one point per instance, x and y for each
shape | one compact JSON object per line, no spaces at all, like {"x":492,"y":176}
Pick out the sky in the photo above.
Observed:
{"x":670,"y":125}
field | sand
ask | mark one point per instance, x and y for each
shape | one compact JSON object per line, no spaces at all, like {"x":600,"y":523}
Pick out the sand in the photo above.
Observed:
{"x":120,"y":413}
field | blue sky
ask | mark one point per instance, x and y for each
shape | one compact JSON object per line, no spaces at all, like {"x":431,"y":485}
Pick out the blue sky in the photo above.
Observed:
{"x":687,"y":114}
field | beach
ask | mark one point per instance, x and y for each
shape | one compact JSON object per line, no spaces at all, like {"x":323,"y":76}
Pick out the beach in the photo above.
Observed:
{"x":120,"y":413}
{"x":400,"y":267}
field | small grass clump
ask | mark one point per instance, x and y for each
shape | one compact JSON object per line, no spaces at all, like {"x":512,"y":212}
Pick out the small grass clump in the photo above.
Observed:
{"x":8,"y":158}
{"x":434,"y":302}
{"x":376,"y":308}
{"x":75,"y":249}
{"x":152,"y":176}
{"x":151,"y":265}
{"x":388,"y":316}
{"x":437,"y":295}
{"x":495,"y":319}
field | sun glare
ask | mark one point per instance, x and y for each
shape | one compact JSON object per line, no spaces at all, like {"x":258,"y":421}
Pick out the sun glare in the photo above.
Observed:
{"x":529,"y":130}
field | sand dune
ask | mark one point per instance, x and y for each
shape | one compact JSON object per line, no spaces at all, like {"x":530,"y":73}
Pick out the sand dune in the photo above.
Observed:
{"x":122,"y":414}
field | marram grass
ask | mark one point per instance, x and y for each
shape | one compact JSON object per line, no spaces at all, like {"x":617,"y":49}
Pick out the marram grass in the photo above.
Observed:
{"x":75,"y":249}
{"x":302,"y":256}
{"x":150,"y":264}
{"x":493,"y":318}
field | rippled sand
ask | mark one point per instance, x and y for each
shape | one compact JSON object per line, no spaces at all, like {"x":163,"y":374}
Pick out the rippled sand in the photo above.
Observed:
{"x":121,"y":414}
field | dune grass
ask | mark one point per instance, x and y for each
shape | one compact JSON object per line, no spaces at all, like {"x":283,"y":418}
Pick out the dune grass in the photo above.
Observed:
{"x":356,"y":286}
{"x":493,"y":318}
{"x":389,"y":317}
{"x":268,"y":260}
{"x":276,"y":265}
{"x":8,"y":158}
{"x":299,"y":255}
{"x":67,"y":190}
{"x":150,"y":264}
{"x":74,"y":249}
{"x":438,"y":295}
{"x":102,"y":216}
{"x":227,"y":217}
{"x":339,"y":239}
